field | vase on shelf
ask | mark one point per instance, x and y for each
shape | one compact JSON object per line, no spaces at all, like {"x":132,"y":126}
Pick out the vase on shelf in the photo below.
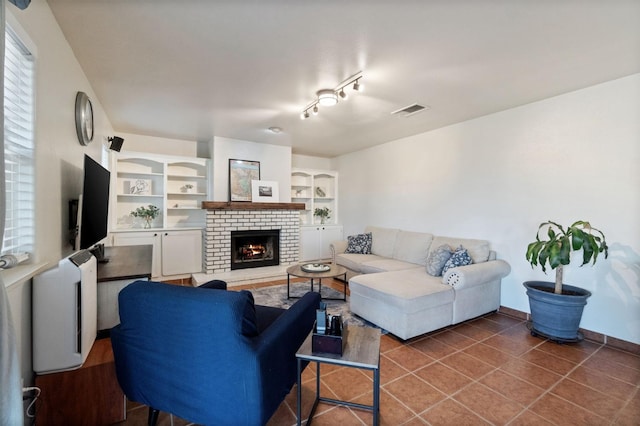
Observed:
{"x":147,"y":222}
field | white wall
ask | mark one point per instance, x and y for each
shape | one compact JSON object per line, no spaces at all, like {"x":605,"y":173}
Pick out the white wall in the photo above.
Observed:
{"x":59,"y":156}
{"x":309,"y":162}
{"x":157,"y":145}
{"x":572,"y":157}
{"x":275,"y":165}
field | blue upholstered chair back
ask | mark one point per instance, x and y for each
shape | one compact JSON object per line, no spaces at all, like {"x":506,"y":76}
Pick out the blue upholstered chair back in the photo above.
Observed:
{"x":196,"y":352}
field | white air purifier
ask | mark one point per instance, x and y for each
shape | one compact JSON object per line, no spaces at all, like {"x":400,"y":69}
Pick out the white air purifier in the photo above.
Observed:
{"x":65,"y":314}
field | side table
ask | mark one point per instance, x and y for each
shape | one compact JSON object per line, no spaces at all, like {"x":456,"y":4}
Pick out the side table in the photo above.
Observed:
{"x":362,"y":350}
{"x":333,"y":272}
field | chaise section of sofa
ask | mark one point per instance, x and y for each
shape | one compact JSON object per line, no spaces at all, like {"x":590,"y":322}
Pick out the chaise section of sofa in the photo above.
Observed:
{"x":391,"y":287}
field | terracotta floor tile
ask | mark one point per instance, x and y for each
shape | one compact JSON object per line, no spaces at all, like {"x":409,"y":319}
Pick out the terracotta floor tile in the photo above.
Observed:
{"x":308,"y":397}
{"x":630,"y":414}
{"x":488,"y":404}
{"x":443,"y":378}
{"x":450,"y":412}
{"x":531,"y":373}
{"x":602,"y":382}
{"x":408,"y":357}
{"x":504,"y":320}
{"x":473,"y":332}
{"x":504,"y":343}
{"x":549,"y":361}
{"x":590,"y":399}
{"x":574,"y":353}
{"x":467,"y":365}
{"x":337,"y":415}
{"x":489,"y":325}
{"x":414,"y":393}
{"x":562,"y":412}
{"x":456,"y":340}
{"x":389,"y":342}
{"x":284,"y":415}
{"x":511,"y":387}
{"x":612,"y":368}
{"x":529,"y":418}
{"x":392,"y":411}
{"x":621,"y":357}
{"x":521,"y":333}
{"x":389,"y":370}
{"x":347,"y":383}
{"x":433,"y":348}
{"x":488,"y":354}
{"x":416,"y":421}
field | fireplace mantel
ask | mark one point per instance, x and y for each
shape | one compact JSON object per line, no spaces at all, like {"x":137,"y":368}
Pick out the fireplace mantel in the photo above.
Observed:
{"x":227,"y":205}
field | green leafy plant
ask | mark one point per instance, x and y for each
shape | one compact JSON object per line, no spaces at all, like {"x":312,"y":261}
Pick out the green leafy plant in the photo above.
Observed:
{"x":560,"y":243}
{"x":148,"y":213}
{"x":323,"y":213}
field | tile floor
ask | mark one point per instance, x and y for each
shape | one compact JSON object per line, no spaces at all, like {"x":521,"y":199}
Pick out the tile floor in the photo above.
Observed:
{"x":488,"y":371}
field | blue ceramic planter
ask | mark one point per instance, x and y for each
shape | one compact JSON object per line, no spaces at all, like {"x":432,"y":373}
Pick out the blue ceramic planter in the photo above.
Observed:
{"x":556,"y":316}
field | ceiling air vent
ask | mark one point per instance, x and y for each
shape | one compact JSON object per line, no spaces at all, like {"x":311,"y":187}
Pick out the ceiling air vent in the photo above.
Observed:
{"x":409,"y":110}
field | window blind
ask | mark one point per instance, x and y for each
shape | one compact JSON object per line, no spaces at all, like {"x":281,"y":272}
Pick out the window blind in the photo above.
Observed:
{"x":18,"y":146}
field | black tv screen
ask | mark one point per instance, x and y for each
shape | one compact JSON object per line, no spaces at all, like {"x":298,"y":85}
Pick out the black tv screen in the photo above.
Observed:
{"x":94,"y":205}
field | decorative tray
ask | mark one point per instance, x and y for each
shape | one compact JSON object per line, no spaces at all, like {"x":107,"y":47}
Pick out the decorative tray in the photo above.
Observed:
{"x":315,"y":267}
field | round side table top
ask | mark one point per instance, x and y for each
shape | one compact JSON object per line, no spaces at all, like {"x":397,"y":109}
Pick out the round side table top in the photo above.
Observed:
{"x":334,"y":271}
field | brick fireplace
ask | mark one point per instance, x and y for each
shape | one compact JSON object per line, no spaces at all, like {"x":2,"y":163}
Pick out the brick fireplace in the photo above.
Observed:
{"x":225,"y":217}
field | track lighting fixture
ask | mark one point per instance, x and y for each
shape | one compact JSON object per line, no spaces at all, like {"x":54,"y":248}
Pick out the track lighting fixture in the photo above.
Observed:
{"x":330,"y":97}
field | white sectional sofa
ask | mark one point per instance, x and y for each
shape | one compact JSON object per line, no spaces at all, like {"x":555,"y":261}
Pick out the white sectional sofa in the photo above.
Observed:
{"x":391,"y":288}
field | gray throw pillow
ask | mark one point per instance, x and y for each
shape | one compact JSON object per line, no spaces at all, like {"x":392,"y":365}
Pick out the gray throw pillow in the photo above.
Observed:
{"x":437,"y":260}
{"x":360,"y":244}
{"x":459,"y":258}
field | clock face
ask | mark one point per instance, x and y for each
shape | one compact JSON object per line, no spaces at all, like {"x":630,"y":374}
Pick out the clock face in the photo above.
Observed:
{"x":84,"y":118}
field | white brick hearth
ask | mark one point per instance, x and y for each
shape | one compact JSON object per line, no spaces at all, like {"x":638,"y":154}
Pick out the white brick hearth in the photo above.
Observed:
{"x":220,"y":223}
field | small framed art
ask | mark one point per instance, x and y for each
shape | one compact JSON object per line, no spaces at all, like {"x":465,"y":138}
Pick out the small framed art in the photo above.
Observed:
{"x":264,"y":191}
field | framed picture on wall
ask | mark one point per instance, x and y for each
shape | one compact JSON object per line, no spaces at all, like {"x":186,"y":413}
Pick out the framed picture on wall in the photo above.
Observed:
{"x":241,"y":173}
{"x":264,"y":191}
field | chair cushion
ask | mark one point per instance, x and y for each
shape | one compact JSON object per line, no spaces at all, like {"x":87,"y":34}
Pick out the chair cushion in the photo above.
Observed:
{"x":354,"y":261}
{"x":384,"y":265}
{"x":360,"y":244}
{"x":249,"y":319}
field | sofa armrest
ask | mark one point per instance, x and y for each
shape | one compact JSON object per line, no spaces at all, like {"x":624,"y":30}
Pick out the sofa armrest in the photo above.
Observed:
{"x":476,"y":274}
{"x":338,"y":247}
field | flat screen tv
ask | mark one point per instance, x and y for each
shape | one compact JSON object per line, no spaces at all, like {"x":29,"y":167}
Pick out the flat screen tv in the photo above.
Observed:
{"x":94,"y":204}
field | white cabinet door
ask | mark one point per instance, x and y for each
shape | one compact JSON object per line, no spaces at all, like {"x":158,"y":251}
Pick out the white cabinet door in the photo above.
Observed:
{"x":181,"y":252}
{"x":328,"y":234}
{"x":315,"y":240}
{"x":309,"y":243}
{"x":143,"y":238}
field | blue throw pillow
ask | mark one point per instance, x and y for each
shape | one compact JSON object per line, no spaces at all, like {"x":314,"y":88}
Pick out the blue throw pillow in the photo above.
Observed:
{"x":459,"y":258}
{"x":437,"y":259}
{"x":360,"y":244}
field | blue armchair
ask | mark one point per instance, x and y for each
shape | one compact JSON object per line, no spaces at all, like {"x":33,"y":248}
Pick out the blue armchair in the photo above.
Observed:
{"x":204,"y":355}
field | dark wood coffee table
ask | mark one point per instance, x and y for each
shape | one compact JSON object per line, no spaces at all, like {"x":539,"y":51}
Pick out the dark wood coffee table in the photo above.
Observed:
{"x":333,"y":272}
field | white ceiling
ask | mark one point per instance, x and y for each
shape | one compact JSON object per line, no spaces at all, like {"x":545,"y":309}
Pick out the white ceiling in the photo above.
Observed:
{"x":194,"y":69}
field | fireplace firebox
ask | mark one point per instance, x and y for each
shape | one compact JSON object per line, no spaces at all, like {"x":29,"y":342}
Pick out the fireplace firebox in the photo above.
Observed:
{"x":255,"y":248}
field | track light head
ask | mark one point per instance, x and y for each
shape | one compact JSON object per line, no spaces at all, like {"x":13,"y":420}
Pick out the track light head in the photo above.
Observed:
{"x":315,"y":110}
{"x":304,"y":115}
{"x":327,"y":97}
{"x":358,"y":87}
{"x":343,"y":94}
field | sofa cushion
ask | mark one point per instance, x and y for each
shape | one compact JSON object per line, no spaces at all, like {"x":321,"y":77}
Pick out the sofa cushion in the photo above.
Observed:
{"x":383,"y":240}
{"x":360,"y":244}
{"x":477,"y":249}
{"x":384,"y":265}
{"x":437,"y":259}
{"x":459,"y":258}
{"x":409,"y":290}
{"x":412,"y":247}
{"x":354,"y":261}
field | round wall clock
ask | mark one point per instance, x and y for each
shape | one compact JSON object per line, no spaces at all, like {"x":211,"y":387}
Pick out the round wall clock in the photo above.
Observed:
{"x":84,"y":118}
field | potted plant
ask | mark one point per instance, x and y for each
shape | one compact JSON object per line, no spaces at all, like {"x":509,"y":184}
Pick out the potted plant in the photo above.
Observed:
{"x":556,"y":308}
{"x":323,"y":213}
{"x":148,"y":213}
